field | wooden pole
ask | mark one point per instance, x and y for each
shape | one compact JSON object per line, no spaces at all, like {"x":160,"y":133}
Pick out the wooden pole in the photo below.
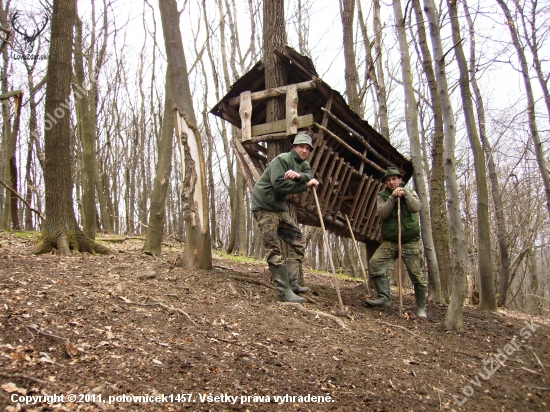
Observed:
{"x":329,"y":251}
{"x":358,"y":256}
{"x":399,"y":255}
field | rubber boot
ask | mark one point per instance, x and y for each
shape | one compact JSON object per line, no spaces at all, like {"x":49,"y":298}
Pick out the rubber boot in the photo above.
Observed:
{"x":420,"y":297}
{"x":280,"y":278}
{"x":382,"y":284}
{"x":293,"y":273}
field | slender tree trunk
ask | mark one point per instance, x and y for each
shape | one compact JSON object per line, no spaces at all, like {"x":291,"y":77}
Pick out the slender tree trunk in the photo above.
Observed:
{"x":157,"y":211}
{"x":381,"y":91}
{"x":487,"y":299}
{"x":453,"y":319}
{"x":416,"y":153}
{"x":438,"y":199}
{"x":350,"y":73}
{"x":495,"y":188}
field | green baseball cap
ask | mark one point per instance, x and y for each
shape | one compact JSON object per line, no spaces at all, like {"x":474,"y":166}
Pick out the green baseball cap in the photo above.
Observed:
{"x":391,"y":171}
{"x":302,"y":139}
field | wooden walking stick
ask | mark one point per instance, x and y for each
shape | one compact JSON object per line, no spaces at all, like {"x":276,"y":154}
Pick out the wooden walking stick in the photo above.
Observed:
{"x":358,"y":256}
{"x":341,"y":311}
{"x":399,"y":255}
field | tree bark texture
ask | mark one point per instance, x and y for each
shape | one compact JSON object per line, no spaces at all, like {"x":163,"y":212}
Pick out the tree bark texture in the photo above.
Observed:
{"x":453,"y":318}
{"x":60,"y":228}
{"x":197,"y":253}
{"x":438,"y":199}
{"x":504,"y":279}
{"x":416,"y":152}
{"x":157,"y":210}
{"x":350,"y":73}
{"x":487,"y":298}
{"x":274,"y":38}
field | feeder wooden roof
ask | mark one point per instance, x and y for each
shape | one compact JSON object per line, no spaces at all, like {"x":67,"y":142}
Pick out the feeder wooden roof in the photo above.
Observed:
{"x":349,"y":157}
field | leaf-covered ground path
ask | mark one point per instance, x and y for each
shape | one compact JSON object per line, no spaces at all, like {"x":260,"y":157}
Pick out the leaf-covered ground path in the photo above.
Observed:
{"x":132,"y":325}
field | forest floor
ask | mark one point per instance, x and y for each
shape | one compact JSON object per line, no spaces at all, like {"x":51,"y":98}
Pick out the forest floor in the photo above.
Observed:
{"x":97,"y":331}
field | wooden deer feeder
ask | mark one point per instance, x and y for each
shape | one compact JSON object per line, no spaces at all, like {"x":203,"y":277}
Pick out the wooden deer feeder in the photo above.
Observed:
{"x":349,"y":157}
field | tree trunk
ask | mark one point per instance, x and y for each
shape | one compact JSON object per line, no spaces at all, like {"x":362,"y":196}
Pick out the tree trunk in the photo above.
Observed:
{"x":416,"y":153}
{"x":453,"y":319}
{"x":60,"y":228}
{"x":438,"y":199}
{"x":86,"y":132}
{"x":274,"y":38}
{"x":487,"y":299}
{"x":198,"y":252}
{"x":495,"y":188}
{"x":381,"y":91}
{"x":157,"y":210}
{"x":350,"y":73}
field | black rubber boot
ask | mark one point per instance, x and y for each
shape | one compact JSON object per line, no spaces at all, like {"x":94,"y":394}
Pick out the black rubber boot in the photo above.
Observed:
{"x":382,"y":284}
{"x":293,"y":274}
{"x":280,"y":278}
{"x":420,"y":297}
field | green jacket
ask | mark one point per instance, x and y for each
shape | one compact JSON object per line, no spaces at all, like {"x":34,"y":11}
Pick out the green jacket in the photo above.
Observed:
{"x":387,"y":210}
{"x":271,"y":189}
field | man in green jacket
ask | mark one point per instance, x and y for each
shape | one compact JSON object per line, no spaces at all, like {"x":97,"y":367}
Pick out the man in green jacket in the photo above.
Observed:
{"x":386,"y":254}
{"x":288,"y":173}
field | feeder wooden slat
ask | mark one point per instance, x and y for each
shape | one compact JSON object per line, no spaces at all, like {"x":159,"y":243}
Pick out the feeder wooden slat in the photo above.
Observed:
{"x":357,"y":215}
{"x":357,"y":195}
{"x":371,"y":206}
{"x":329,"y":177}
{"x":335,"y":178}
{"x":343,"y":188}
{"x":245,"y":112}
{"x":291,"y":109}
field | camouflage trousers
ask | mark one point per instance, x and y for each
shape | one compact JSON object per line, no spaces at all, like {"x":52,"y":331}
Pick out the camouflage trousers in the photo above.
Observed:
{"x":275,"y":226}
{"x":387,"y":253}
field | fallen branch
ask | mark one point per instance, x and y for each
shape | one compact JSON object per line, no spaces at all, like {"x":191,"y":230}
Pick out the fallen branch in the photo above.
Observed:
{"x":23,"y":200}
{"x":400,"y":327}
{"x":267,"y":347}
{"x":298,"y":306}
{"x":49,"y":335}
{"x":162,"y":305}
{"x":21,"y":376}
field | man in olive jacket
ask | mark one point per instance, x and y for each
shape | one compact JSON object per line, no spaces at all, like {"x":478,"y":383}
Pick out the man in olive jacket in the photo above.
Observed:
{"x":288,"y":173}
{"x":386,"y":254}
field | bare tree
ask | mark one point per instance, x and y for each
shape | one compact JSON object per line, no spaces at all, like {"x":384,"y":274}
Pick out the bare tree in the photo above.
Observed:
{"x":60,"y":228}
{"x":197,"y":252}
{"x":487,"y":296}
{"x":543,"y":167}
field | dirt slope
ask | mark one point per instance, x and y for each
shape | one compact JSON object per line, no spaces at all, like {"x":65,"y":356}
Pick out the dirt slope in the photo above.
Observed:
{"x":109,"y":328}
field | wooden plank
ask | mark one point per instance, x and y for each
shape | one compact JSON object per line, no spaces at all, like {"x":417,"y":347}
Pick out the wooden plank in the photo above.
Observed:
{"x":370,"y":207}
{"x":361,"y":203}
{"x":245,"y":112}
{"x":368,"y":197}
{"x":343,"y":188}
{"x":361,"y":139}
{"x":321,"y":169}
{"x":280,"y":125}
{"x":291,"y":109}
{"x":357,"y":195}
{"x":373,"y":214}
{"x":248,"y":161}
{"x":245,"y":170}
{"x":335,"y":178}
{"x":276,"y":91}
{"x":318,"y":153}
{"x":329,"y":178}
{"x":351,"y":149}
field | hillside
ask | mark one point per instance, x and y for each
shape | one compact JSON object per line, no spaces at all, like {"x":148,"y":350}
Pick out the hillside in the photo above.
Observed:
{"x":106,"y":328}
